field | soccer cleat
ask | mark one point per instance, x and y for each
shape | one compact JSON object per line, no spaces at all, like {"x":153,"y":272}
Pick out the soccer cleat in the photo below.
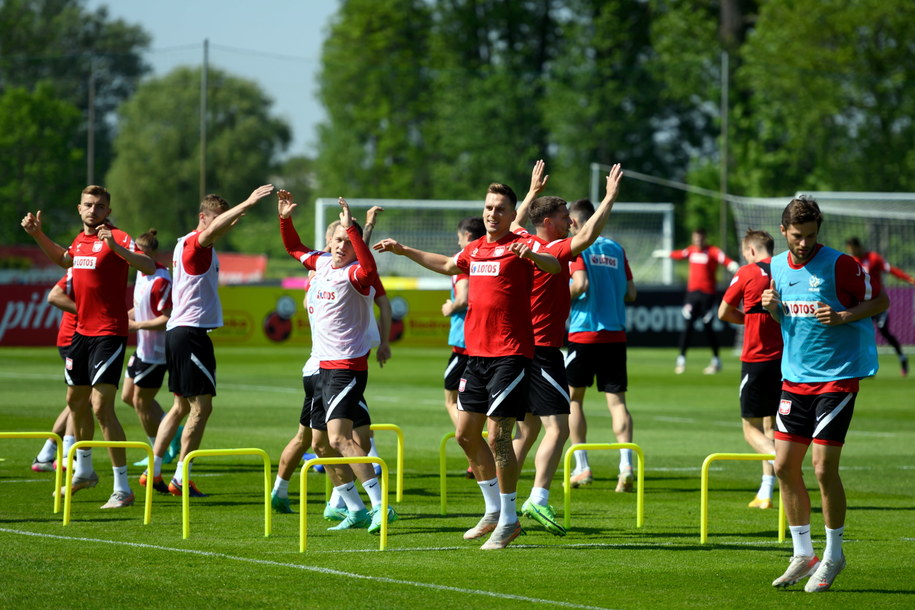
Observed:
{"x":469,"y":474}
{"x":679,"y":369}
{"x":824,"y":575}
{"x":332,"y":513}
{"x":711,"y":369}
{"x":502,"y":536}
{"x":486,"y":524}
{"x":359,"y":519}
{"x":55,"y":465}
{"x":119,"y":499}
{"x":801,"y":567}
{"x":42,"y":466}
{"x":174,"y":448}
{"x":158,"y":484}
{"x":175,"y":488}
{"x":375,"y":527}
{"x":762,"y":503}
{"x":144,"y":462}
{"x":81,"y":483}
{"x":280,"y":505}
{"x":904,"y":365}
{"x":624,"y":483}
{"x":582,"y":478}
{"x":544,"y":515}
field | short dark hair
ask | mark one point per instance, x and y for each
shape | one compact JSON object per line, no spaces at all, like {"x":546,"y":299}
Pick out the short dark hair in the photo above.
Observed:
{"x":701,"y":231}
{"x":760,"y":239}
{"x":581,"y":210}
{"x":98,"y":191}
{"x":854,"y":242}
{"x":800,"y":210}
{"x":544,"y":207}
{"x":472,"y":225}
{"x":497,"y":188}
{"x":213,"y":203}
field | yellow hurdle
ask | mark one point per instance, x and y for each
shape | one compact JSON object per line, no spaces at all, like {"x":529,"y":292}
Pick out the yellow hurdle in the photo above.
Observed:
{"x":703,"y":502}
{"x":185,"y":469}
{"x":443,"y":470}
{"x":60,"y":458}
{"x":303,"y":498}
{"x":398,"y":493}
{"x":639,"y":484}
{"x":68,"y":491}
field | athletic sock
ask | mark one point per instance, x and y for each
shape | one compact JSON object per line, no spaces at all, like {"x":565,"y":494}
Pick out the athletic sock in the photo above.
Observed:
{"x":540,"y":496}
{"x":833,"y":550}
{"x":490,"y":491}
{"x":800,"y":536}
{"x":681,"y":360}
{"x":509,"y":505}
{"x":373,"y":452}
{"x":120,"y":478}
{"x":157,"y":466}
{"x":765,"y":488}
{"x":83,"y":461}
{"x":716,"y":362}
{"x":350,"y":496}
{"x":373,"y":490}
{"x":281,"y":487}
{"x":625,"y":461}
{"x":336,"y":500}
{"x":178,"y":473}
{"x":581,"y":460}
{"x":68,"y":442}
{"x":48,"y":451}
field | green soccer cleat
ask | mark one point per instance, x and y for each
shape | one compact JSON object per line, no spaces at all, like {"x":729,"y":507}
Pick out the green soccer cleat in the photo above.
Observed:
{"x":280,"y":505}
{"x":332,"y":513}
{"x":174,"y":448}
{"x":545,"y":516}
{"x":375,"y":527}
{"x":359,"y":519}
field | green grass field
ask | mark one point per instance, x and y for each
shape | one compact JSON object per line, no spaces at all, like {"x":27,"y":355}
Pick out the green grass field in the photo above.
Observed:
{"x":108,"y":559}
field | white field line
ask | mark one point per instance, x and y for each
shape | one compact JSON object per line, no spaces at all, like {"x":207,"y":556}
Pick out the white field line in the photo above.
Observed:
{"x":307,"y":568}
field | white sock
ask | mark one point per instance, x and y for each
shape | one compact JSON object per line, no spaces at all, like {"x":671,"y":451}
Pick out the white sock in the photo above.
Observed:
{"x":490,"y":491}
{"x":540,"y":496}
{"x":625,"y":461}
{"x":833,"y":550}
{"x":373,"y":490}
{"x":716,"y":361}
{"x":509,"y":513}
{"x":800,"y":536}
{"x":350,"y":496}
{"x":83,"y":461}
{"x":120,"y":478}
{"x":765,"y":488}
{"x":581,"y":460}
{"x":48,"y":451}
{"x":157,"y":465}
{"x":373,"y":452}
{"x":178,"y":470}
{"x":281,"y":487}
{"x":681,"y":360}
{"x":68,"y":442}
{"x":336,"y":500}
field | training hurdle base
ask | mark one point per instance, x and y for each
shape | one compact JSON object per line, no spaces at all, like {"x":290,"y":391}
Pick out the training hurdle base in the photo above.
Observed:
{"x":703,"y":502}
{"x":185,"y":474}
{"x":303,"y":498}
{"x":68,"y":491}
{"x":639,"y":484}
{"x":58,"y":472}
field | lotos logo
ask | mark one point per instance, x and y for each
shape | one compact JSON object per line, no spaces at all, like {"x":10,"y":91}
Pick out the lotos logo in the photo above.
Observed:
{"x":326,"y":295}
{"x":800,"y":309}
{"x":84,"y":262}
{"x":784,"y":407}
{"x":602,"y":260}
{"x":487,"y":268}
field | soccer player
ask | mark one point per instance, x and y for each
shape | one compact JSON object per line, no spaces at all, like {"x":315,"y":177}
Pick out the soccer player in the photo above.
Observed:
{"x":822,"y":298}
{"x":343,"y":333}
{"x":700,"y":293}
{"x":761,"y":358}
{"x":455,"y":308}
{"x":601,"y":286}
{"x":152,"y":304}
{"x":100,"y":257}
{"x":500,"y":344}
{"x":875,"y":266}
{"x":548,"y":406}
{"x":189,"y":354}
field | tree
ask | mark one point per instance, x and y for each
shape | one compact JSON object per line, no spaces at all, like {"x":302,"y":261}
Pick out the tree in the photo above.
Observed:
{"x":154,"y":179}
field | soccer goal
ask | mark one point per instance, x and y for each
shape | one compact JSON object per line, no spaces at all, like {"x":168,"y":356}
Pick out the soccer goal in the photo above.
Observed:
{"x":431,"y":225}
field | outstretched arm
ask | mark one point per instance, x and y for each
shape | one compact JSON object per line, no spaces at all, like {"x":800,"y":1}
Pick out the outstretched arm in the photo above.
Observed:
{"x":223,"y":223}
{"x":538,"y":183}
{"x":593,"y":227}
{"x":432,"y":261}
{"x":54,"y":251}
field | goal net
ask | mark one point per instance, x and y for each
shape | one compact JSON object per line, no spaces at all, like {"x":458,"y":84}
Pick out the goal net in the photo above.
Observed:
{"x":431,"y":225}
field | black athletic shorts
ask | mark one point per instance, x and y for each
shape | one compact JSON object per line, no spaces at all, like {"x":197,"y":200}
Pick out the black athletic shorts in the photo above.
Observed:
{"x":496,"y":387}
{"x":191,"y":361}
{"x":145,"y":374}
{"x":549,"y":390}
{"x":605,"y":361}
{"x":455,"y":369}
{"x":699,"y":305}
{"x":823,"y":418}
{"x":342,"y":397}
{"x":760,"y":388}
{"x":94,"y":360}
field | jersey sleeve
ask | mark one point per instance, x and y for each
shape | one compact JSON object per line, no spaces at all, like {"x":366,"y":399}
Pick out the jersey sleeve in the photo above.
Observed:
{"x":628,"y":268}
{"x":379,"y":287}
{"x":160,"y":296}
{"x":734,"y":294}
{"x":679,"y":255}
{"x":853,"y":285}
{"x":365,"y":273}
{"x":196,"y":258}
{"x":562,"y":250}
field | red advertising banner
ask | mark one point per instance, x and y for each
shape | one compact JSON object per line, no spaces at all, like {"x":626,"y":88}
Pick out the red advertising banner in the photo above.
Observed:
{"x":26,"y":317}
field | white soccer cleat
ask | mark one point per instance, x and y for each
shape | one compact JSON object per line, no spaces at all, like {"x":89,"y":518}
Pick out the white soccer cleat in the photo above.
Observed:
{"x":801,"y":567}
{"x":625,"y":482}
{"x":582,"y":478}
{"x":502,"y":536}
{"x":487,"y":524}
{"x":825,"y":574}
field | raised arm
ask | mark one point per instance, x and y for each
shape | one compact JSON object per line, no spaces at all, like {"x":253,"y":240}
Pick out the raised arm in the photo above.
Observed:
{"x":593,"y":227}
{"x":432,"y":261}
{"x":369,"y":227}
{"x":538,"y":183}
{"x":137,"y":260}
{"x":223,"y":223}
{"x":54,"y":251}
